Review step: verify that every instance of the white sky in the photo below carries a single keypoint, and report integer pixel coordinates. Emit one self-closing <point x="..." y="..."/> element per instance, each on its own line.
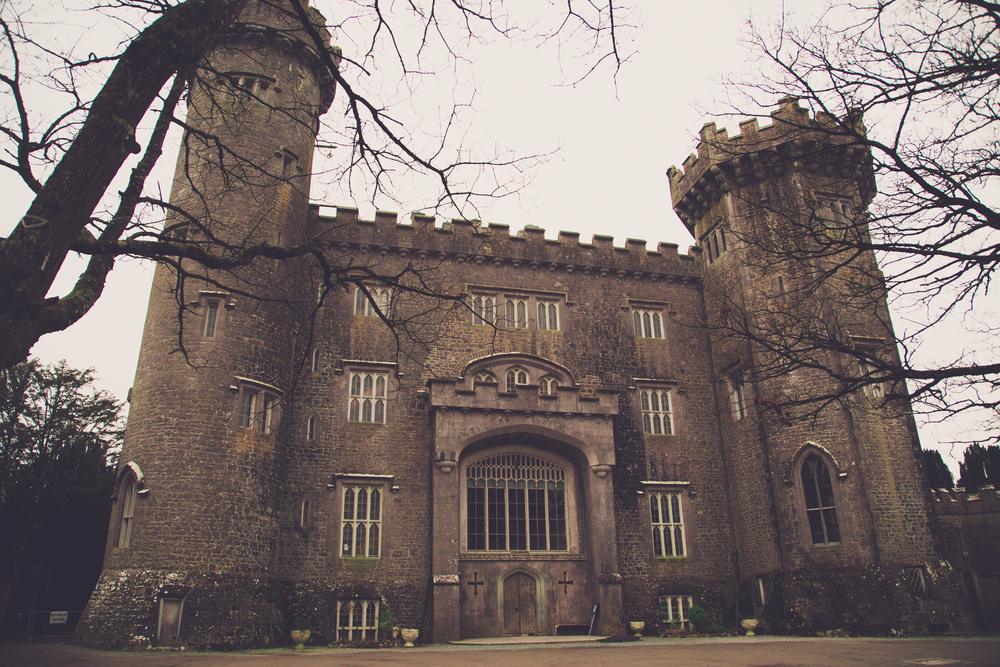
<point x="615" y="141"/>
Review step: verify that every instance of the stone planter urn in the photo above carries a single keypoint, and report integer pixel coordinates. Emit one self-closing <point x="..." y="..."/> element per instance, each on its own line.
<point x="749" y="624"/>
<point x="409" y="636"/>
<point x="637" y="627"/>
<point x="300" y="637"/>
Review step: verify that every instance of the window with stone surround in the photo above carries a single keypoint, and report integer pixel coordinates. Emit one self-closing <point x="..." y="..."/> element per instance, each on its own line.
<point x="380" y="301"/>
<point x="515" y="502"/>
<point x="515" y="312"/>
<point x="674" y="610"/>
<point x="361" y="526"/>
<point x="258" y="405"/>
<point x="484" y="378"/>
<point x="484" y="309"/>
<point x="715" y="243"/>
<point x="357" y="620"/>
<point x="515" y="377"/>
<point x="820" y="503"/>
<point x="548" y="315"/>
<point x="647" y="322"/>
<point x="211" y="317"/>
<point x="873" y="391"/>
<point x="834" y="208"/>
<point x="738" y="404"/>
<point x="548" y="386"/>
<point x="368" y="397"/>
<point x="211" y="306"/>
<point x="524" y="309"/>
<point x="305" y="513"/>
<point x="126" y="497"/>
<point x="667" y="521"/>
<point x="657" y="411"/>
<point x="249" y="85"/>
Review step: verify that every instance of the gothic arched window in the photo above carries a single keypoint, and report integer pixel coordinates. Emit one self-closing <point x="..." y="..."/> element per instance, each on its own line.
<point x="821" y="508"/>
<point x="515" y="377"/>
<point x="515" y="502"/>
<point x="548" y="386"/>
<point x="126" y="499"/>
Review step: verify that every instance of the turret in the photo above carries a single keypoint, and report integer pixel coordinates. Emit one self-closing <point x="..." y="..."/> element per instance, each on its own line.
<point x="194" y="527"/>
<point x="779" y="213"/>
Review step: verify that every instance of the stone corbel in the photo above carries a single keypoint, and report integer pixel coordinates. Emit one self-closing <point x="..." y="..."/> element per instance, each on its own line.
<point x="445" y="462"/>
<point x="601" y="470"/>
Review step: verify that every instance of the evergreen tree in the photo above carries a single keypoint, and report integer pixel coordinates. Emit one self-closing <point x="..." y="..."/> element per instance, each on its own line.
<point x="938" y="474"/>
<point x="58" y="436"/>
<point x="981" y="467"/>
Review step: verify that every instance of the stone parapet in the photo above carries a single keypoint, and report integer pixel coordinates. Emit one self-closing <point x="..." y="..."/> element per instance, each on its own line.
<point x="959" y="501"/>
<point x="470" y="241"/>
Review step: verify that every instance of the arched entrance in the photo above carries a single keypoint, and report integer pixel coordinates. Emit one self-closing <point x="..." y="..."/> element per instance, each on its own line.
<point x="523" y="507"/>
<point x="520" y="603"/>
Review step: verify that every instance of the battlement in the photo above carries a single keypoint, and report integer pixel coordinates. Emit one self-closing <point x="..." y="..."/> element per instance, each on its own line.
<point x="277" y="26"/>
<point x="959" y="501"/>
<point x="474" y="242"/>
<point x="722" y="163"/>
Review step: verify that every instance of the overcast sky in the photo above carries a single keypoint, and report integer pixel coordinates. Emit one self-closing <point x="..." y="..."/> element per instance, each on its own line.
<point x="614" y="138"/>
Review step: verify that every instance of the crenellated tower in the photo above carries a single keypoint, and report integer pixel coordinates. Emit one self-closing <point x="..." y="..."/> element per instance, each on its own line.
<point x="831" y="499"/>
<point x="194" y="530"/>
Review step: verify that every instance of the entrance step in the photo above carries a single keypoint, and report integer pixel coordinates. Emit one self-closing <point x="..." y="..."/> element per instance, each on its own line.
<point x="527" y="639"/>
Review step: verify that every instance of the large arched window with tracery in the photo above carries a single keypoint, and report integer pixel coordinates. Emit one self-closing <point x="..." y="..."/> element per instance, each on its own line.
<point x="821" y="507"/>
<point x="515" y="502"/>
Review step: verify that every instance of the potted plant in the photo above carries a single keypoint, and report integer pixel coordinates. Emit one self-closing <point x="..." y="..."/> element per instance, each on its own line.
<point x="749" y="624"/>
<point x="301" y="633"/>
<point x="410" y="635"/>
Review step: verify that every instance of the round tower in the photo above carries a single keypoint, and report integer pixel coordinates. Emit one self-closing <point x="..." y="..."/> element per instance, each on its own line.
<point x="193" y="532"/>
<point x="796" y="305"/>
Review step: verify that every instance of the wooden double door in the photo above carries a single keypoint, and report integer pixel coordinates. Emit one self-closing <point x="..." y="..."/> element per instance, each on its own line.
<point x="520" y="604"/>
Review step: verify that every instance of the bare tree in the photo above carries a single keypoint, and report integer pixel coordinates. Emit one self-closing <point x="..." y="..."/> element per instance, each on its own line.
<point x="924" y="76"/>
<point x="69" y="158"/>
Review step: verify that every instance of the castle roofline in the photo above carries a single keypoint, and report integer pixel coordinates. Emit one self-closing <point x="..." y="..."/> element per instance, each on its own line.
<point x="722" y="162"/>
<point x="471" y="241"/>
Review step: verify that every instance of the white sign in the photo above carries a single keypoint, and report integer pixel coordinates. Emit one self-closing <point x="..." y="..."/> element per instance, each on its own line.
<point x="57" y="617"/>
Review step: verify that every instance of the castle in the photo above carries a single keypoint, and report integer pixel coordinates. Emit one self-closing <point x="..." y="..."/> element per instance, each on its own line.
<point x="470" y="432"/>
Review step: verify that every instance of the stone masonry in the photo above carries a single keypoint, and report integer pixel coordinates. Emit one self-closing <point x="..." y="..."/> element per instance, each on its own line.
<point x="476" y="432"/>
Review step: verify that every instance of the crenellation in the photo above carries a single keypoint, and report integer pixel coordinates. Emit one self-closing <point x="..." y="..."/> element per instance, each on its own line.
<point x="464" y="240"/>
<point x="570" y="374"/>
<point x="958" y="501"/>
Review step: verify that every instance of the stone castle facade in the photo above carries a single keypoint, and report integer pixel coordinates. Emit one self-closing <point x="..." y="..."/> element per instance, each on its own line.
<point x="560" y="440"/>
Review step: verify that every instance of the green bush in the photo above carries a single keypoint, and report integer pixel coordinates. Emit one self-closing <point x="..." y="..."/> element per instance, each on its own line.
<point x="698" y="618"/>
